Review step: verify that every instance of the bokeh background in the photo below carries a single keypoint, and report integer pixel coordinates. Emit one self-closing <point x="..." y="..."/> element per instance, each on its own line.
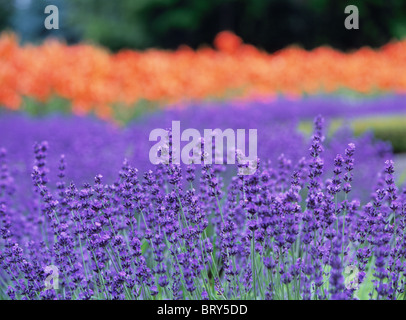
<point x="123" y="62"/>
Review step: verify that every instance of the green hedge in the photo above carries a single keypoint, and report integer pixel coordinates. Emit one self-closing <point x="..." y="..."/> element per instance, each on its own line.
<point x="387" y="128"/>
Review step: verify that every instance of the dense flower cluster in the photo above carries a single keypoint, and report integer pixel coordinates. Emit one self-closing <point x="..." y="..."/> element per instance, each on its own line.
<point x="289" y="231"/>
<point x="95" y="80"/>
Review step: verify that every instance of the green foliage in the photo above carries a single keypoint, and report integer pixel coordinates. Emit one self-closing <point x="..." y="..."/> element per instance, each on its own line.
<point x="6" y="11"/>
<point x="271" y="24"/>
<point x="391" y="129"/>
<point x="268" y="24"/>
<point x="54" y="105"/>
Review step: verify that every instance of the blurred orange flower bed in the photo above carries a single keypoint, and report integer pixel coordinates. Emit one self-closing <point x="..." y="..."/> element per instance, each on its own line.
<point x="94" y="79"/>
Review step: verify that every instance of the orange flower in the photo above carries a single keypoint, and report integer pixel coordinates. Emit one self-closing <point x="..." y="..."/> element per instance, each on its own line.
<point x="227" y="41"/>
<point x="95" y="80"/>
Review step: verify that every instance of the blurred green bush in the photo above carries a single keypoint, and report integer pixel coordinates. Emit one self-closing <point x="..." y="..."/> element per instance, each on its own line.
<point x="391" y="129"/>
<point x="268" y="24"/>
<point x="6" y="12"/>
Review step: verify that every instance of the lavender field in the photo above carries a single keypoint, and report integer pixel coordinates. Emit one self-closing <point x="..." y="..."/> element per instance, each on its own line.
<point x="85" y="215"/>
